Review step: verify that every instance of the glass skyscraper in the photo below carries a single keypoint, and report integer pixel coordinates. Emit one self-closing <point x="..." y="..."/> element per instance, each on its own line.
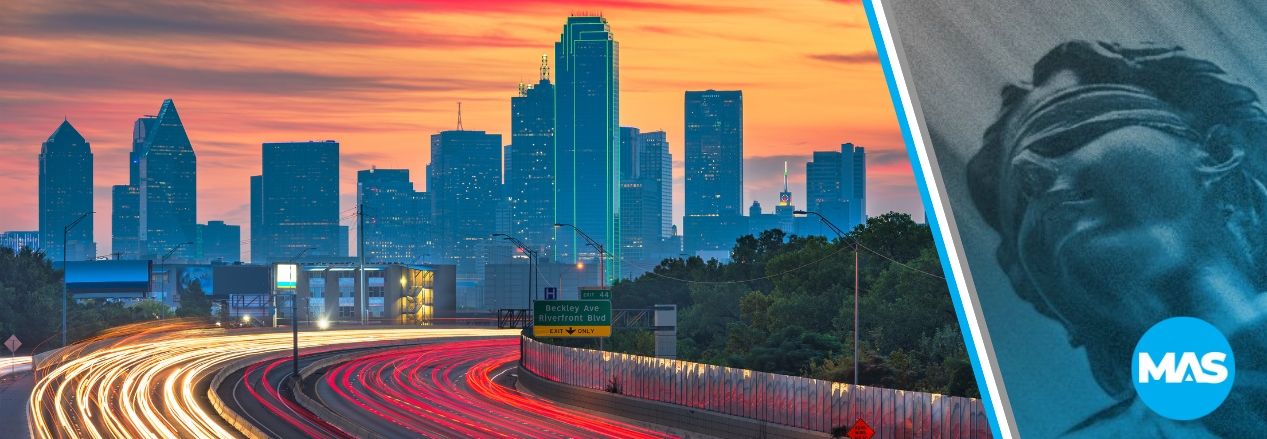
<point x="392" y="233"/>
<point x="714" y="169"/>
<point x="647" y="177"/>
<point x="65" y="194"/>
<point x="465" y="179"/>
<point x="587" y="139"/>
<point x="530" y="173"/>
<point x="125" y="212"/>
<point x="298" y="201"/>
<point x="218" y="241"/>
<point x="835" y="187"/>
<point x="168" y="188"/>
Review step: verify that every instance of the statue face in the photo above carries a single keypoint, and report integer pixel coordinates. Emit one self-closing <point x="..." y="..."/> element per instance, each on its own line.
<point x="1108" y="225"/>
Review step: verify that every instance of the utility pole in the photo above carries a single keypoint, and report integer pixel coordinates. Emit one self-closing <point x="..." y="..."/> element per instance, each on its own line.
<point x="65" y="294"/>
<point x="360" y="253"/>
<point x="841" y="235"/>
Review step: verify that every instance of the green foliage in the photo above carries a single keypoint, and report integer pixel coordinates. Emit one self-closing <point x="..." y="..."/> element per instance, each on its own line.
<point x="194" y="302"/>
<point x="785" y="304"/>
<point x="31" y="300"/>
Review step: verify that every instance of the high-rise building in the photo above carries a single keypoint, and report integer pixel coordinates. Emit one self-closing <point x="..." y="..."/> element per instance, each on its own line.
<point x="168" y="193"/>
<point x="125" y="212"/>
<point x="66" y="194"/>
<point x="298" y="201"/>
<point x="587" y="139"/>
<point x="218" y="241"/>
<point x="647" y="176"/>
<point x="18" y="240"/>
<point x="531" y="171"/>
<point x="125" y="221"/>
<point x="391" y="220"/>
<point x="835" y="187"/>
<point x="258" y="249"/>
<point x="464" y="182"/>
<point x="714" y="169"/>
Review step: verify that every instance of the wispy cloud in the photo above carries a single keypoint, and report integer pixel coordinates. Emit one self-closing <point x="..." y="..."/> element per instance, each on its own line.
<point x="847" y="58"/>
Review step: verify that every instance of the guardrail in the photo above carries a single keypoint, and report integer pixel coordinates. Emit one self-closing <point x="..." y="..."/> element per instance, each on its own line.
<point x="345" y="424"/>
<point x="780" y="399"/>
<point x="246" y="428"/>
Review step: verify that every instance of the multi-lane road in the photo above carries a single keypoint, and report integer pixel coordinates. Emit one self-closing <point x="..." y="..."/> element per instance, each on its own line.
<point x="155" y="386"/>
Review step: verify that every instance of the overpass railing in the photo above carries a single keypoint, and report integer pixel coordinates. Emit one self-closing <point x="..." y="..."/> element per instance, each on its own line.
<point x="780" y="399"/>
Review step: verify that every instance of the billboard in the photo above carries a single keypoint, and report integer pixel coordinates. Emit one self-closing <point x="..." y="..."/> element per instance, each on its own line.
<point x="287" y="276"/>
<point x="89" y="279"/>
<point x="203" y="275"/>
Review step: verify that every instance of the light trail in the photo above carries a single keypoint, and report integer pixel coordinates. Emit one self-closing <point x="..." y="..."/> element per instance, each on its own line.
<point x="445" y="390"/>
<point x="146" y="387"/>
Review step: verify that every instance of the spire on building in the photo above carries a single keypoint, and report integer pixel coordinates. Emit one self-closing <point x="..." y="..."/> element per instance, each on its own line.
<point x="545" y="67"/>
<point x="459" y="116"/>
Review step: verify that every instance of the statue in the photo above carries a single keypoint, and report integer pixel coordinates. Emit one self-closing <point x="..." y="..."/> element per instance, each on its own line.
<point x="1128" y="187"/>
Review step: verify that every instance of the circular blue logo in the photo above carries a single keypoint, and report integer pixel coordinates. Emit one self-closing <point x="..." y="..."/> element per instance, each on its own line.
<point x="1183" y="368"/>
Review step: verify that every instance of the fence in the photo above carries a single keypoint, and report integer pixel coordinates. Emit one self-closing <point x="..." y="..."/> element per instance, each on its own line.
<point x="780" y="399"/>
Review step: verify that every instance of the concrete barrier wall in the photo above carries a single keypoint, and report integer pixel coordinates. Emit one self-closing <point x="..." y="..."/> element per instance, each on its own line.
<point x="804" y="403"/>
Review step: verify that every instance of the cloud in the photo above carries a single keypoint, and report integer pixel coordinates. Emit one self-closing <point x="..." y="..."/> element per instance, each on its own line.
<point x="847" y="58"/>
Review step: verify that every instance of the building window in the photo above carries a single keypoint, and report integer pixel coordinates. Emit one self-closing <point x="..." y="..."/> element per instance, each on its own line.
<point x="347" y="302"/>
<point x="374" y="295"/>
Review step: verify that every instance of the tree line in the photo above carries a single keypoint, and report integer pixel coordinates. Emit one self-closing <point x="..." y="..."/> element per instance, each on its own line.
<point x="31" y="302"/>
<point x="785" y="304"/>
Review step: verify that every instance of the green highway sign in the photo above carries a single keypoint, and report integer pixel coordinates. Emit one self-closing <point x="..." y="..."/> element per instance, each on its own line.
<point x="571" y="318"/>
<point x="595" y="293"/>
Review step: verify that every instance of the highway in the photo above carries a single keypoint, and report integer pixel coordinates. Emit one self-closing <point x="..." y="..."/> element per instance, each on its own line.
<point x="454" y="389"/>
<point x="155" y="386"/>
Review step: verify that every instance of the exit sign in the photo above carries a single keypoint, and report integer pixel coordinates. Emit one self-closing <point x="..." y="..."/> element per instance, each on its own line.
<point x="594" y="293"/>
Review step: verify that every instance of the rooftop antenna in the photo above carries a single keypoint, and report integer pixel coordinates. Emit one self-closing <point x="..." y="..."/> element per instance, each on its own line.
<point x="460" y="121"/>
<point x="545" y="68"/>
<point x="784" y="176"/>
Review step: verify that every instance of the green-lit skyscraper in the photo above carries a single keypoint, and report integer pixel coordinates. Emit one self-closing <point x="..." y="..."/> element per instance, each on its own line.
<point x="530" y="168"/>
<point x="587" y="138"/>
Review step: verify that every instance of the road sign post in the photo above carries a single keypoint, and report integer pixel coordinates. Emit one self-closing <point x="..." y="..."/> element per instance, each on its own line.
<point x="13" y="344"/>
<point x="552" y="293"/>
<point x="572" y="318"/>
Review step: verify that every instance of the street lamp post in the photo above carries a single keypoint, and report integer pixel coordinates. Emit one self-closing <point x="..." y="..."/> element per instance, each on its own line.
<point x="294" y="315"/>
<point x="578" y="266"/>
<point x="532" y="263"/>
<point x="602" y="273"/>
<point x="167" y="275"/>
<point x="65" y="294"/>
<point x="855" y="286"/>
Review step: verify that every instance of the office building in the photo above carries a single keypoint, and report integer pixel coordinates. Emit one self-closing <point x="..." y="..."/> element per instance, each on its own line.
<point x="587" y="139"/>
<point x="646" y="196"/>
<point x="835" y="187"/>
<point x="714" y="169"/>
<point x="125" y="221"/>
<point x="66" y="194"/>
<point x="168" y="193"/>
<point x="530" y="174"/>
<point x="258" y="249"/>
<point x="218" y="241"/>
<point x="387" y="198"/>
<point x="464" y="180"/>
<point x="298" y="202"/>
<point x="18" y="240"/>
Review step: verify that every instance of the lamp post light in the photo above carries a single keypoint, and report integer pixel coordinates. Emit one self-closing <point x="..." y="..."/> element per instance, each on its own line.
<point x="167" y="275"/>
<point x="602" y="273"/>
<point x="532" y="263"/>
<point x="855" y="286"/>
<point x="65" y="294"/>
<point x="578" y="266"/>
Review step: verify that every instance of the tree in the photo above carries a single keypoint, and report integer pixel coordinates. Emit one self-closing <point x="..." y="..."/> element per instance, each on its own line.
<point x="194" y="302"/>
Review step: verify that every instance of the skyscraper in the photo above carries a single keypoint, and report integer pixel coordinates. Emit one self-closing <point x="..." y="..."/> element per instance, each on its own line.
<point x="531" y="173"/>
<point x="391" y="228"/>
<point x="258" y="249"/>
<point x="125" y="212"/>
<point x="218" y="241"/>
<point x="465" y="179"/>
<point x="835" y="187"/>
<point x="587" y="139"/>
<point x="298" y="201"/>
<point x="646" y="196"/>
<point x="168" y="188"/>
<point x="714" y="169"/>
<point x="65" y="194"/>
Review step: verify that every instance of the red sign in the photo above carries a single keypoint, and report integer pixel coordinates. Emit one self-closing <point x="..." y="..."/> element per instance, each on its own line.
<point x="860" y="430"/>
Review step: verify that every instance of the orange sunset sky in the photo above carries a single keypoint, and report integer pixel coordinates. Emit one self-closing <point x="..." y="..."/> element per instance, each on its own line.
<point x="381" y="76"/>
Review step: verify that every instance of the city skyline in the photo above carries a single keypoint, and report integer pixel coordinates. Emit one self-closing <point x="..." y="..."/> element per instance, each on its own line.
<point x="845" y="103"/>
